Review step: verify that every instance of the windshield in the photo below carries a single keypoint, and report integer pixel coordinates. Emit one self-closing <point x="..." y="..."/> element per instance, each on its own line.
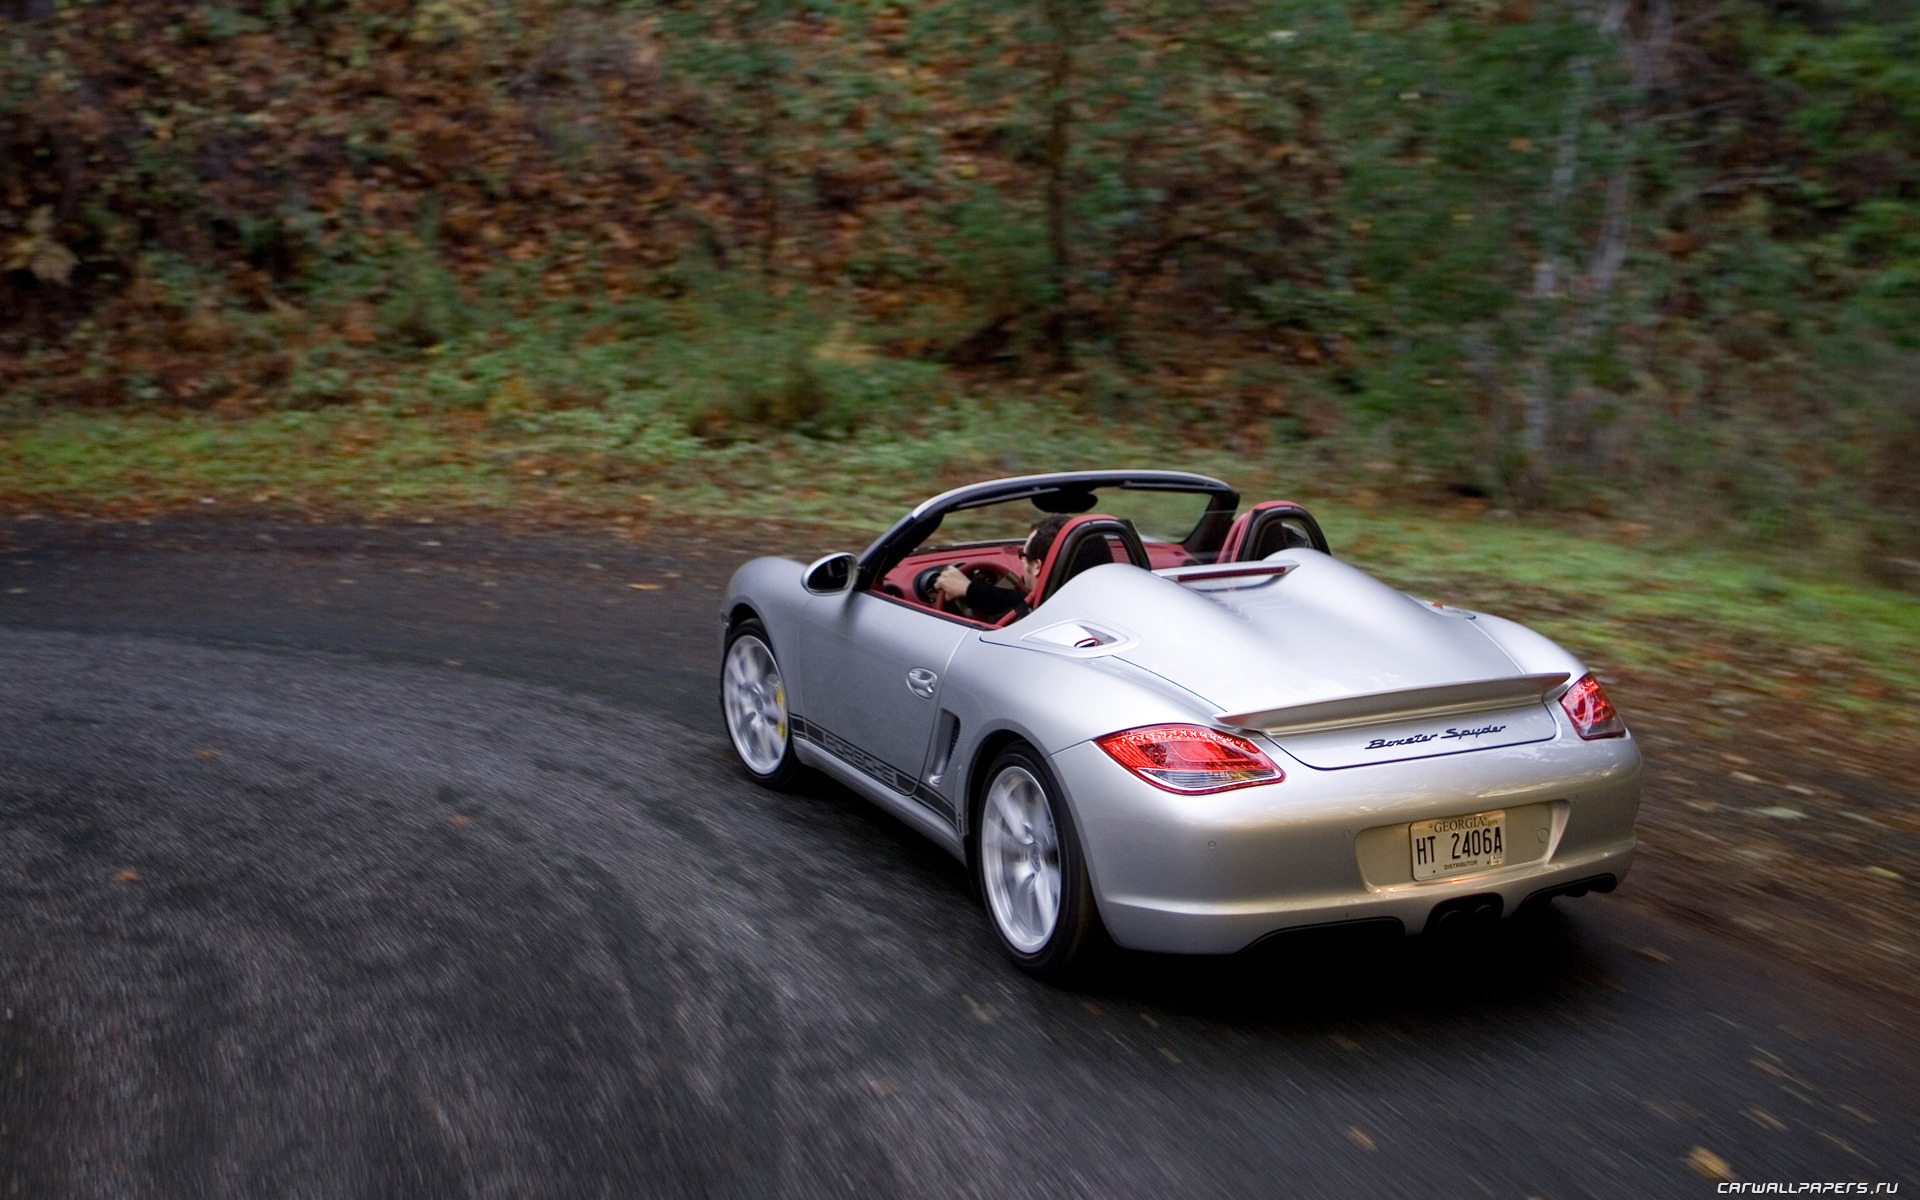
<point x="1167" y="517"/>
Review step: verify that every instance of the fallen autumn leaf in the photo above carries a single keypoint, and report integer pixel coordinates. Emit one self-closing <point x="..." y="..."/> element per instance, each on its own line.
<point x="1709" y="1165"/>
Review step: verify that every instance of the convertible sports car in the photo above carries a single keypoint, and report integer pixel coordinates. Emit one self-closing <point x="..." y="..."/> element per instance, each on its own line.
<point x="1186" y="729"/>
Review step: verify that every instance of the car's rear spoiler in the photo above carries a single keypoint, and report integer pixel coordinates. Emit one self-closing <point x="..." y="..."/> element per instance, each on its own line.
<point x="1445" y="699"/>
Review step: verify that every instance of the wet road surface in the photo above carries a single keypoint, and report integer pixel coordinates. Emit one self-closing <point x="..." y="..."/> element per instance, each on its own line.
<point x="412" y="861"/>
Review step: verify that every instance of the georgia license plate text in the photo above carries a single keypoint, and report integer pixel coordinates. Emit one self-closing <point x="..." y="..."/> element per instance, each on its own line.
<point x="1453" y="845"/>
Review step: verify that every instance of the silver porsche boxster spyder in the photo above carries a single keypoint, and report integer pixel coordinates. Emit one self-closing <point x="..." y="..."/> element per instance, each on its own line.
<point x="1142" y="716"/>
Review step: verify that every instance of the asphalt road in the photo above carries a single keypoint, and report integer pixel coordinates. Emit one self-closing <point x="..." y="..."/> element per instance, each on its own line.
<point x="412" y="862"/>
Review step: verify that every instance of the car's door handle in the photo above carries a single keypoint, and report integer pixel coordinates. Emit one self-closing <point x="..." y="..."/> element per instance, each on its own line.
<point x="920" y="682"/>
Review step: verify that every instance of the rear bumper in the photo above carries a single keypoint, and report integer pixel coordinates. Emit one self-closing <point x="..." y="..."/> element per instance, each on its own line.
<point x="1214" y="874"/>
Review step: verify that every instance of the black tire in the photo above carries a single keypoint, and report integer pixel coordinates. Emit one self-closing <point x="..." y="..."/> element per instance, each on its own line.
<point x="1077" y="938"/>
<point x="755" y="754"/>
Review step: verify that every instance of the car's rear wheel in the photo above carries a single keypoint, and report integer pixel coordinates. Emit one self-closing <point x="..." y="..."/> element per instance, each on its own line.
<point x="1030" y="869"/>
<point x="753" y="698"/>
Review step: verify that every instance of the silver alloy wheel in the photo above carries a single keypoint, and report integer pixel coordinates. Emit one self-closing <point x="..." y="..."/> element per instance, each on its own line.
<point x="1020" y="859"/>
<point x="756" y="705"/>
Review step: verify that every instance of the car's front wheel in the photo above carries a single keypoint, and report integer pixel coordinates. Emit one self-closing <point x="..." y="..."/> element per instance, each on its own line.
<point x="753" y="698"/>
<point x="1030" y="869"/>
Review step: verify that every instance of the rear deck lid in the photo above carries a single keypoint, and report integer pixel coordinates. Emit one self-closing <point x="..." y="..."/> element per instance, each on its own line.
<point x="1411" y="723"/>
<point x="1340" y="669"/>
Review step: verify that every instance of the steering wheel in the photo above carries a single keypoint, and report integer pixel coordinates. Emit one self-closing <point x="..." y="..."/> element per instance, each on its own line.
<point x="997" y="576"/>
<point x="923" y="585"/>
<point x="924" y="590"/>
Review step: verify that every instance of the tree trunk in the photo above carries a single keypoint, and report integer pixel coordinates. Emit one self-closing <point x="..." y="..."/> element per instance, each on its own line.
<point x="767" y="86"/>
<point x="1058" y="329"/>
<point x="1646" y="58"/>
<point x="1537" y="396"/>
<point x="1571" y="311"/>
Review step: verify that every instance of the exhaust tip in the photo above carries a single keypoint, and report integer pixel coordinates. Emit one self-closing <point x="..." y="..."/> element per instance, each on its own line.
<point x="1465" y="914"/>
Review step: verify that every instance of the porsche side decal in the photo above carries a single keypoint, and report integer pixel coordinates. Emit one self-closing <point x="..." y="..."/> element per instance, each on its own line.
<point x="873" y="768"/>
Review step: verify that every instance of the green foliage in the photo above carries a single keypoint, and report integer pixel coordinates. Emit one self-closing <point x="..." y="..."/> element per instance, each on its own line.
<point x="720" y="363"/>
<point x="1472" y="239"/>
<point x="425" y="308"/>
<point x="1856" y="104"/>
<point x="995" y="254"/>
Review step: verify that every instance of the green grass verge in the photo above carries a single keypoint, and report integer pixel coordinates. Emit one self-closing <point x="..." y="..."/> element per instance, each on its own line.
<point x="1619" y="594"/>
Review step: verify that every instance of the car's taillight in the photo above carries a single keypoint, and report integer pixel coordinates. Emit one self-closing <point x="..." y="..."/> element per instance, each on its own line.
<point x="1590" y="711"/>
<point x="1190" y="759"/>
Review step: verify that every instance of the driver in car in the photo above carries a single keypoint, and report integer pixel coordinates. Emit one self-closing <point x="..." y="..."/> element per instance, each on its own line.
<point x="988" y="600"/>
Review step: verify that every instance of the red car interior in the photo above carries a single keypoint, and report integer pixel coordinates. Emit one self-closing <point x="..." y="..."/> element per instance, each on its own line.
<point x="1254" y="534"/>
<point x="1004" y="559"/>
<point x="1260" y="531"/>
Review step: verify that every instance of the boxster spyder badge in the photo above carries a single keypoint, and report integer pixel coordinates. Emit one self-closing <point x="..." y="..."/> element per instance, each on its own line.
<point x="1140" y="714"/>
<point x="1418" y="738"/>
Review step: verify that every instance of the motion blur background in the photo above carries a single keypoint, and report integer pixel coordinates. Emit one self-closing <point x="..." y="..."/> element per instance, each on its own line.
<point x="1626" y="257"/>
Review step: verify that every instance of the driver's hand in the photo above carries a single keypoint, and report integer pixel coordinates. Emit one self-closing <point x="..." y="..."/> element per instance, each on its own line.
<point x="952" y="584"/>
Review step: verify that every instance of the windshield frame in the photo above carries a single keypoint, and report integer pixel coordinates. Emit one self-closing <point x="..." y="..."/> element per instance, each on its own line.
<point x="1066" y="491"/>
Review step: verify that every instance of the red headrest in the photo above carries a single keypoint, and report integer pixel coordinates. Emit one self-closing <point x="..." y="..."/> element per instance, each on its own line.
<point x="1061" y="540"/>
<point x="1237" y="532"/>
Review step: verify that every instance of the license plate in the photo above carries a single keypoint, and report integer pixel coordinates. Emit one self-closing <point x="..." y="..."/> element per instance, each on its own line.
<point x="1456" y="845"/>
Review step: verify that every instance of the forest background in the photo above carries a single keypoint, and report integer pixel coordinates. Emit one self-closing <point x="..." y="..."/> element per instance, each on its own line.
<point x="1641" y="259"/>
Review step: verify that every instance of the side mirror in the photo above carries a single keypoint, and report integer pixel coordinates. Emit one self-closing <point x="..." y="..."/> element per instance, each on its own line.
<point x="830" y="576"/>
